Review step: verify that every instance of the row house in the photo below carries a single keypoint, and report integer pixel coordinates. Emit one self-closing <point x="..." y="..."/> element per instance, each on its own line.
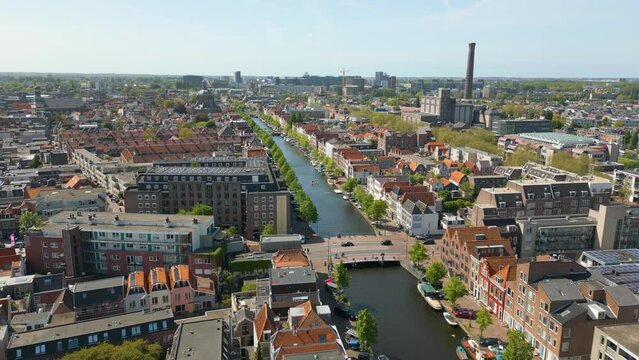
<point x="493" y="274"/>
<point x="345" y="156"/>
<point x="53" y="342"/>
<point x="436" y="149"/>
<point x="557" y="305"/>
<point x="362" y="171"/>
<point x="463" y="249"/>
<point x="378" y="186"/>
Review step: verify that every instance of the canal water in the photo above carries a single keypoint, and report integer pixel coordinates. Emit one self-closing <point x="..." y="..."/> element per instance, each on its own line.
<point x="408" y="329"/>
<point x="336" y="215"/>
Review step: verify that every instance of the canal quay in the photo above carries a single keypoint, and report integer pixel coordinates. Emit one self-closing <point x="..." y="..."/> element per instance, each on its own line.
<point x="407" y="327"/>
<point x="336" y="216"/>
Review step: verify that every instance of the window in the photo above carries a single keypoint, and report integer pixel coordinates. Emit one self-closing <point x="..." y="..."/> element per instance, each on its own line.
<point x="123" y="334"/>
<point x="59" y="346"/>
<point x="565" y="346"/>
<point x="40" y="349"/>
<point x="92" y="339"/>
<point x="565" y="334"/>
<point x="136" y="330"/>
<point x="153" y="258"/>
<point x="18" y="353"/>
<point x="154" y="300"/>
<point x="115" y="257"/>
<point x="153" y="327"/>
<point x="165" y="325"/>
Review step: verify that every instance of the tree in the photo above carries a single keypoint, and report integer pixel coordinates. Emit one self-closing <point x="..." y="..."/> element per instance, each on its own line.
<point x="201" y="117"/>
<point x="484" y="320"/>
<point x="350" y="184"/>
<point x="340" y="276"/>
<point x="149" y="134"/>
<point x="198" y="209"/>
<point x="308" y="210"/>
<point x="35" y="163"/>
<point x="454" y="289"/>
<point x="269" y="229"/>
<point x="230" y="231"/>
<point x="634" y="139"/>
<point x="137" y="350"/>
<point x="520" y="156"/>
<point x="258" y="352"/>
<point x="435" y="272"/>
<point x="517" y="348"/>
<point x="185" y="133"/>
<point x="376" y="209"/>
<point x="417" y="179"/>
<point x="366" y="327"/>
<point x="417" y="253"/>
<point x="28" y="220"/>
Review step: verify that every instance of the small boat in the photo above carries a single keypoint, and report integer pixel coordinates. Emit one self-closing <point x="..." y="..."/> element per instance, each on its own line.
<point x="461" y="353"/>
<point x="434" y="303"/>
<point x="382" y="357"/>
<point x="337" y="191"/>
<point x="352" y="333"/>
<point x="345" y="197"/>
<point x="450" y="319"/>
<point x="476" y="352"/>
<point x="312" y="182"/>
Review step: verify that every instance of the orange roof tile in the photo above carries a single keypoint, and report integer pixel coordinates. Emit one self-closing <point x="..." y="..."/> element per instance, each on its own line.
<point x="290" y="258"/>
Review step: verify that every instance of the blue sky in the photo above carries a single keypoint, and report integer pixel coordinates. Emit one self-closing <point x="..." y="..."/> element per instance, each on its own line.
<point x="520" y="38"/>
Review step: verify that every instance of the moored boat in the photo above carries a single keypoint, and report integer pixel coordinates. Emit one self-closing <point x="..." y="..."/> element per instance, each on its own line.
<point x="434" y="303"/>
<point x="476" y="352"/>
<point x="450" y="319"/>
<point x="345" y="197"/>
<point x="337" y="191"/>
<point x="461" y="353"/>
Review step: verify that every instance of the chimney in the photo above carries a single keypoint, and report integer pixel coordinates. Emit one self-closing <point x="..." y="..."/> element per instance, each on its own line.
<point x="470" y="65"/>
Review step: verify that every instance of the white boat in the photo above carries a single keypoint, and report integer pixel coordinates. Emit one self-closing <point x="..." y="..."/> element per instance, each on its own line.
<point x="345" y="197"/>
<point x="450" y="319"/>
<point x="434" y="303"/>
<point x="337" y="191"/>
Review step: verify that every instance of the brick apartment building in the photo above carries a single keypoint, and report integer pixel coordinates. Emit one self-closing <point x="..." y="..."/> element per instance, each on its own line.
<point x="463" y="248"/>
<point x="229" y="185"/>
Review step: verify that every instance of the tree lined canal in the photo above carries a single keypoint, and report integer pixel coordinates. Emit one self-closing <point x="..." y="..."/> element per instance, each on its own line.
<point x="336" y="215"/>
<point x="408" y="329"/>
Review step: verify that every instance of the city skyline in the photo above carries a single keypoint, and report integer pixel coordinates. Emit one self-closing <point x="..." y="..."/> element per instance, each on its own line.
<point x="543" y="40"/>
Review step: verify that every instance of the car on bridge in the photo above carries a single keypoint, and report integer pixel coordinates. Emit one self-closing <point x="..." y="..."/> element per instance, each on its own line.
<point x="347" y="244"/>
<point x="387" y="242"/>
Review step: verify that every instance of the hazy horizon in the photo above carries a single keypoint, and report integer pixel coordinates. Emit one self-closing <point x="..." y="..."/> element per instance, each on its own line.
<point x="427" y="39"/>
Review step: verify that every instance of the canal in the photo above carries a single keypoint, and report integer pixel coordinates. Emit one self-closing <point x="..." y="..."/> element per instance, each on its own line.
<point x="336" y="215"/>
<point x="407" y="327"/>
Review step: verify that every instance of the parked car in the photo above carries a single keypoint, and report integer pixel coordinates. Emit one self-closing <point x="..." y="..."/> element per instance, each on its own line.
<point x="387" y="242"/>
<point x="428" y="241"/>
<point x="376" y="223"/>
<point x="347" y="244"/>
<point x="489" y="341"/>
<point x="420" y="237"/>
<point x="464" y="314"/>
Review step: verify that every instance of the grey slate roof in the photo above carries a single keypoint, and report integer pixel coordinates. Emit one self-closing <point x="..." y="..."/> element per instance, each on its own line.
<point x="622" y="295"/>
<point x="63" y="103"/>
<point x="572" y="311"/>
<point x="561" y="290"/>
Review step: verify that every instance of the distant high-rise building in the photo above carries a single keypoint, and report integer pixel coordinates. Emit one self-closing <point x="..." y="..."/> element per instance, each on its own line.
<point x="238" y="77"/>
<point x="379" y="75"/>
<point x="470" y="65"/>
<point x="392" y="82"/>
<point x="192" y="81"/>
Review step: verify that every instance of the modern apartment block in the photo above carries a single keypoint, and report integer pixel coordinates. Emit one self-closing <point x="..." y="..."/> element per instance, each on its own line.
<point x="228" y="184"/>
<point x="556" y="234"/>
<point x="116" y="243"/>
<point x="615" y="342"/>
<point x="627" y="180"/>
